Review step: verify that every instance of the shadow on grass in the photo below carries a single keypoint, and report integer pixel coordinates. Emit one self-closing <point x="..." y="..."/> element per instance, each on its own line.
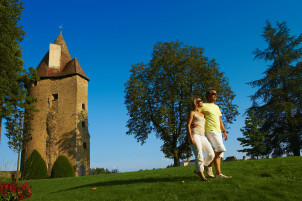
<point x="131" y="181"/>
<point x="265" y="174"/>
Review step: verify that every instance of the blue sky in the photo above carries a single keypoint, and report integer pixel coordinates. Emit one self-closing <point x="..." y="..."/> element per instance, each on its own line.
<point x="108" y="36"/>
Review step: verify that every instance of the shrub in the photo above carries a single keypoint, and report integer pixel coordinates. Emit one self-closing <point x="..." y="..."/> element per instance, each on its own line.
<point x="34" y="167"/>
<point x="114" y="170"/>
<point x="14" y="191"/>
<point x="62" y="168"/>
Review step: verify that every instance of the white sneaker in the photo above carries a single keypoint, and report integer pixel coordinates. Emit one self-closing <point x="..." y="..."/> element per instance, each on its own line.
<point x="209" y="171"/>
<point x="223" y="176"/>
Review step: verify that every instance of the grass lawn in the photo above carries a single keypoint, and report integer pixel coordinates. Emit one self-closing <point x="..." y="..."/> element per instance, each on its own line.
<point x="265" y="179"/>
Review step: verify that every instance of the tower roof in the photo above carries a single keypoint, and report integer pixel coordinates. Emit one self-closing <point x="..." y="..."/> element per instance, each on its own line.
<point x="68" y="66"/>
<point x="60" y="41"/>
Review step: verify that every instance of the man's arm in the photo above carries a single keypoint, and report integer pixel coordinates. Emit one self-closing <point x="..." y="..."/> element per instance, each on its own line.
<point x="225" y="135"/>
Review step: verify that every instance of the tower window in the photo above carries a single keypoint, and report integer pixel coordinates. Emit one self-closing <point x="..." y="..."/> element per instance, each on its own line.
<point x="55" y="96"/>
<point x="35" y="83"/>
<point x="83" y="106"/>
<point x="84" y="145"/>
<point x="83" y="124"/>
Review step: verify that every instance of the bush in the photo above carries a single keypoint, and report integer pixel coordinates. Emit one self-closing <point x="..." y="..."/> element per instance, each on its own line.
<point x="62" y="168"/>
<point x="114" y="170"/>
<point x="34" y="167"/>
<point x="14" y="191"/>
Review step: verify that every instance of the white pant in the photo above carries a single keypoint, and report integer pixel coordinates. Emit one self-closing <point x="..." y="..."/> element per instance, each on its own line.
<point x="215" y="138"/>
<point x="202" y="144"/>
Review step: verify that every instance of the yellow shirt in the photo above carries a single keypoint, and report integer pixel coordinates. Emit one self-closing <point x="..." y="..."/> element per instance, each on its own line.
<point x="212" y="114"/>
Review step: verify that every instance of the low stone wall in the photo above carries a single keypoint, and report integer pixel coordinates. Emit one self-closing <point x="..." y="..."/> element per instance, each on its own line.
<point x="7" y="174"/>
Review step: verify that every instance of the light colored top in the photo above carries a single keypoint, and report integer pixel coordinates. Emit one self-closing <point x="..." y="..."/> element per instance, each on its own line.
<point x="212" y="115"/>
<point x="200" y="122"/>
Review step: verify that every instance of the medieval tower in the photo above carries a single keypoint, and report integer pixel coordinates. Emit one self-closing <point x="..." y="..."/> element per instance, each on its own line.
<point x="60" y="127"/>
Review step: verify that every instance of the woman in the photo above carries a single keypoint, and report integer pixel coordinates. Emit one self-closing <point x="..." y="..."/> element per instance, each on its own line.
<point x="198" y="140"/>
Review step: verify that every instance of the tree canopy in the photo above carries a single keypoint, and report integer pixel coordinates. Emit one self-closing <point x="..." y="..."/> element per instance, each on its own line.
<point x="13" y="77"/>
<point x="278" y="98"/>
<point x="253" y="138"/>
<point x="15" y="103"/>
<point x="158" y="95"/>
<point x="10" y="53"/>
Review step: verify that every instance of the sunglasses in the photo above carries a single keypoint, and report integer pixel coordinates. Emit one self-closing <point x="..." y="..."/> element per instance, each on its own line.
<point x="215" y="94"/>
<point x="199" y="101"/>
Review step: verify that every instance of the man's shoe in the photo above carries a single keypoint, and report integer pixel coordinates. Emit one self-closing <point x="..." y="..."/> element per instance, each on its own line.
<point x="209" y="171"/>
<point x="223" y="176"/>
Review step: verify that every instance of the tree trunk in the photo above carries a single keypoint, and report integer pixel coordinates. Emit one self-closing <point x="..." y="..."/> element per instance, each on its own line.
<point x="18" y="165"/>
<point x="296" y="152"/>
<point x="295" y="145"/>
<point x="1" y="106"/>
<point x="294" y="138"/>
<point x="0" y="127"/>
<point x="176" y="158"/>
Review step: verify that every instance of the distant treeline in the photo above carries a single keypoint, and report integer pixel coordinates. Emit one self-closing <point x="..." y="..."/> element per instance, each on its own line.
<point x="96" y="171"/>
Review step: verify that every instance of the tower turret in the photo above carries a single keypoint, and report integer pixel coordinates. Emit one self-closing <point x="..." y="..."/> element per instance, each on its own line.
<point x="60" y="127"/>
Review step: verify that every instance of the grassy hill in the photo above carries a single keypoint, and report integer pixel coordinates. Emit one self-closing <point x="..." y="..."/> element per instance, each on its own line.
<point x="265" y="179"/>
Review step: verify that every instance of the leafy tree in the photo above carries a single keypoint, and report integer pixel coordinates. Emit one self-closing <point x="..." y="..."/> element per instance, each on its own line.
<point x="10" y="53"/>
<point x="278" y="98"/>
<point x="115" y="170"/>
<point x="100" y="170"/>
<point x="96" y="171"/>
<point x="92" y="171"/>
<point x="158" y="95"/>
<point x="17" y="128"/>
<point x="253" y="137"/>
<point x="15" y="104"/>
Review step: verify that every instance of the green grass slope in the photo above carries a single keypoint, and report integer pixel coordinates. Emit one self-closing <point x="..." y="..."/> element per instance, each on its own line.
<point x="265" y="179"/>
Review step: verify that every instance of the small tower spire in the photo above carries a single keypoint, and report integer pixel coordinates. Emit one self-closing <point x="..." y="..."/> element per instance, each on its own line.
<point x="60" y="27"/>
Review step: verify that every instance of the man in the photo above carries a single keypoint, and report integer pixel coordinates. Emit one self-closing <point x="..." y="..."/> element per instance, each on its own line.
<point x="213" y="128"/>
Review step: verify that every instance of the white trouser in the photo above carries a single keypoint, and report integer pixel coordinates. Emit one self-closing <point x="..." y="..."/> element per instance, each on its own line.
<point x="215" y="138"/>
<point x="202" y="144"/>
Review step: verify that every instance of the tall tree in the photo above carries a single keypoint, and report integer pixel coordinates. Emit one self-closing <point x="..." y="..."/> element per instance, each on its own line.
<point x="11" y="64"/>
<point x="158" y="95"/>
<point x="279" y="94"/>
<point x="17" y="131"/>
<point x="253" y="138"/>
<point x="15" y="103"/>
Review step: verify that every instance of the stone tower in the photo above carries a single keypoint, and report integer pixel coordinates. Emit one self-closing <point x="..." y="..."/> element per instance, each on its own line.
<point x="60" y="127"/>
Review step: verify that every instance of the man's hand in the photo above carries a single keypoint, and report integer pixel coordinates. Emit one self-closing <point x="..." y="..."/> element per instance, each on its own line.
<point x="225" y="135"/>
<point x="192" y="141"/>
<point x="193" y="125"/>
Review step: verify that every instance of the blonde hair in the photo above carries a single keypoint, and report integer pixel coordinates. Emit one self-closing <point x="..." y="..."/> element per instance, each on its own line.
<point x="194" y="103"/>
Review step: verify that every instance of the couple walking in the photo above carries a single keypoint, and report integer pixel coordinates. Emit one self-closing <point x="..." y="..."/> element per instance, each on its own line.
<point x="205" y="125"/>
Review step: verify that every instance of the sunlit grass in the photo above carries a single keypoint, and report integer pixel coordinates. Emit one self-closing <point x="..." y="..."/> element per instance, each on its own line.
<point x="265" y="179"/>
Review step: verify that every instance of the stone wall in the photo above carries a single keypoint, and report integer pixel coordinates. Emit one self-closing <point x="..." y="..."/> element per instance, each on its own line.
<point x="57" y="127"/>
<point x="8" y="174"/>
<point x="83" y="137"/>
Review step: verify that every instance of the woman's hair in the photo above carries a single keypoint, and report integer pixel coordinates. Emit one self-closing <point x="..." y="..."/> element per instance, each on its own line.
<point x="194" y="102"/>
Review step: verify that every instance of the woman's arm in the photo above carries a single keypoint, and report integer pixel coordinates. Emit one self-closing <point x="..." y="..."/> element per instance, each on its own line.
<point x="189" y="127"/>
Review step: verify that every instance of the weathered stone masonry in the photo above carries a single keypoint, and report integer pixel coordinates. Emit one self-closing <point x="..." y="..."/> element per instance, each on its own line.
<point x="61" y="125"/>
